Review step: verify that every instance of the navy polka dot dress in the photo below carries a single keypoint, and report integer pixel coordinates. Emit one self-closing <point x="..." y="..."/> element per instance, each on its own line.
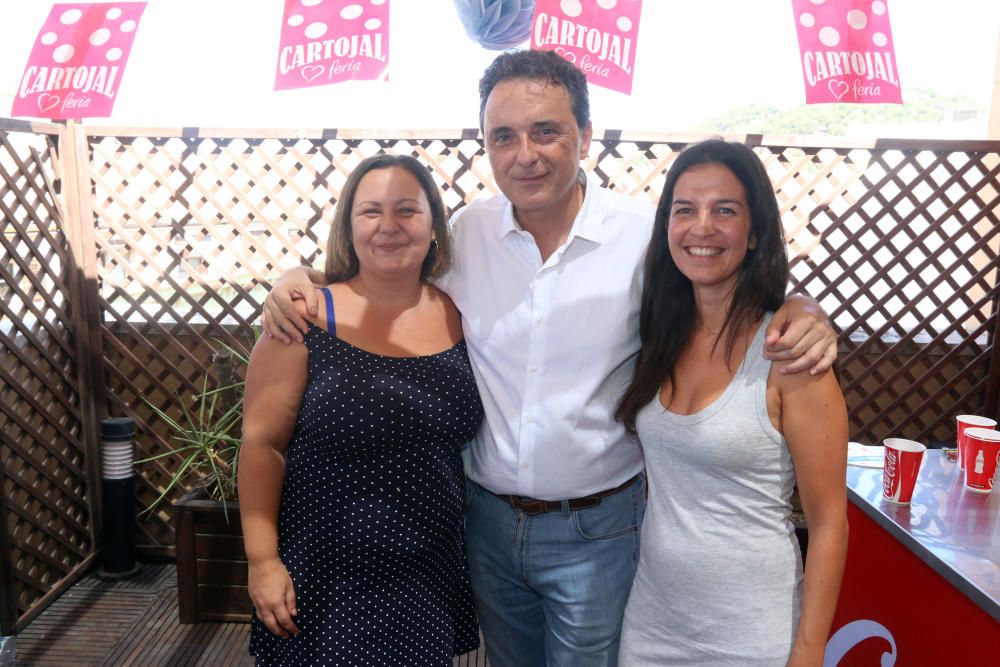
<point x="371" y="519"/>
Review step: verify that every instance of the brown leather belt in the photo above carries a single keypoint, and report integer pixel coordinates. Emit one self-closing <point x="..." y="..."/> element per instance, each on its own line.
<point x="532" y="506"/>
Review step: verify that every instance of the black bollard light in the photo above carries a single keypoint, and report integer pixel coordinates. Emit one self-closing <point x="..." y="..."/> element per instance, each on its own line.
<point x="118" y="487"/>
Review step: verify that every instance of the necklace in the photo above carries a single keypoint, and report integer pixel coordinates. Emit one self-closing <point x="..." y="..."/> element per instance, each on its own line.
<point x="710" y="332"/>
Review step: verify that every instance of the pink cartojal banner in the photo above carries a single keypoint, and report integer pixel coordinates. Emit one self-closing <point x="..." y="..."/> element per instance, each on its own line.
<point x="77" y="63"/>
<point x="326" y="41"/>
<point x="847" y="53"/>
<point x="598" y="36"/>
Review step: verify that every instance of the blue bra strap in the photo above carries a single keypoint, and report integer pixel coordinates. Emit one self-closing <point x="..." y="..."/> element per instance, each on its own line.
<point x="331" y="321"/>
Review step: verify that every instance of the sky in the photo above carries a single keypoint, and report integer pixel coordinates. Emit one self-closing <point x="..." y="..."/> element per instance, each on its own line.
<point x="211" y="63"/>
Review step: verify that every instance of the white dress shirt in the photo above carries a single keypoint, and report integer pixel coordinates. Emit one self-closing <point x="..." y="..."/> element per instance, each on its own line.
<point x="552" y="344"/>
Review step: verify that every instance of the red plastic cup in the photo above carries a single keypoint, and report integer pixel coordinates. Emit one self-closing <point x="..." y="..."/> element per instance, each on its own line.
<point x="983" y="449"/>
<point x="964" y="422"/>
<point x="900" y="468"/>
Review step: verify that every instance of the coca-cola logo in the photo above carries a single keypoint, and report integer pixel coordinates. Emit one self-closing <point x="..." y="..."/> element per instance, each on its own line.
<point x="889" y="476"/>
<point x="852" y="634"/>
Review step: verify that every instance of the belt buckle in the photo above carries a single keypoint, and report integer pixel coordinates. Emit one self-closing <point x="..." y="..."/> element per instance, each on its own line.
<point x="530" y="506"/>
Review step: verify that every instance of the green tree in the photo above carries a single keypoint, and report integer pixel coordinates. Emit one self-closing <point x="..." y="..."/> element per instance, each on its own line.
<point x="920" y="105"/>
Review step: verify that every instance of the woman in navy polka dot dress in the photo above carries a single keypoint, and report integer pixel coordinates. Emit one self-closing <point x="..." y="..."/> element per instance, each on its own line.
<point x="350" y="476"/>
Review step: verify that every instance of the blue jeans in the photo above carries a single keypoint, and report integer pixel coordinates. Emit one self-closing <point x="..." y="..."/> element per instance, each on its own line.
<point x="551" y="588"/>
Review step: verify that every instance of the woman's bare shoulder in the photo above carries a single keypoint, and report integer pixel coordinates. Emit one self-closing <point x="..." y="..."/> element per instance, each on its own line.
<point x="439" y="297"/>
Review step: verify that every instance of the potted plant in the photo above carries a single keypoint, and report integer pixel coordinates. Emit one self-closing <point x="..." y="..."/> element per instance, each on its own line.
<point x="211" y="563"/>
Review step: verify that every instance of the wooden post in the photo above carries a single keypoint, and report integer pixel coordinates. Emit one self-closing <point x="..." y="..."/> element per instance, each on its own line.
<point x="225" y="376"/>
<point x="992" y="402"/>
<point x="993" y="383"/>
<point x="78" y="218"/>
<point x="8" y="592"/>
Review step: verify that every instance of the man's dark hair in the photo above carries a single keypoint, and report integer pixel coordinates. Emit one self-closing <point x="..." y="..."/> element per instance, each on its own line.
<point x="546" y="66"/>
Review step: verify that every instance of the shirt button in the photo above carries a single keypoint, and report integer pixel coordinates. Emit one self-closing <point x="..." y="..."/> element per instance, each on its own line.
<point x="524" y="466"/>
<point x="532" y="369"/>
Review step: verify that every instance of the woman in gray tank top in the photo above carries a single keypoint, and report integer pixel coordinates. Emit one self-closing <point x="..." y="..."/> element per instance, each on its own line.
<point x="726" y="435"/>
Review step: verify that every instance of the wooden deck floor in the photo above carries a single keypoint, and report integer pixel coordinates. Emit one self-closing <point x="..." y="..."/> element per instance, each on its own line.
<point x="134" y="622"/>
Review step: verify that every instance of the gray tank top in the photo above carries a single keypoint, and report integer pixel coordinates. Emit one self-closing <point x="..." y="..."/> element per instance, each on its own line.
<point x="720" y="574"/>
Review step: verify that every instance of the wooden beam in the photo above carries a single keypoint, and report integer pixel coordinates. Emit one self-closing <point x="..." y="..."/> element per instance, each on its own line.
<point x="78" y="221"/>
<point x="992" y="402"/>
<point x="8" y="593"/>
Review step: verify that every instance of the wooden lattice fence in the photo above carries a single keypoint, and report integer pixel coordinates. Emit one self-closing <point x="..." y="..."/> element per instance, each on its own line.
<point x="897" y="239"/>
<point x="46" y="436"/>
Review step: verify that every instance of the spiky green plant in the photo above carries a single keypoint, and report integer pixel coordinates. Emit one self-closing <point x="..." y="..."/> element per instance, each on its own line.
<point x="208" y="441"/>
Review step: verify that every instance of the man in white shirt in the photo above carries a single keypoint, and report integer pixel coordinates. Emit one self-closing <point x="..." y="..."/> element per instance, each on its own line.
<point x="547" y="277"/>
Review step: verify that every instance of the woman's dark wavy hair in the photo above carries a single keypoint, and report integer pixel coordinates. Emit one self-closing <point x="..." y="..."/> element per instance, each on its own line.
<point x="342" y="260"/>
<point x="667" y="315"/>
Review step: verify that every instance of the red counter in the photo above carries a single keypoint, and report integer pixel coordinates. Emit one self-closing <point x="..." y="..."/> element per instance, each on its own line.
<point x="922" y="583"/>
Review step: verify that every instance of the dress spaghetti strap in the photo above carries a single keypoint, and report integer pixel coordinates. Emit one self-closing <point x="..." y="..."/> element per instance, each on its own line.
<point x="331" y="321"/>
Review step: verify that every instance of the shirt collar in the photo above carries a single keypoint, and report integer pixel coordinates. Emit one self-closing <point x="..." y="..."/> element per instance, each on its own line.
<point x="508" y="224"/>
<point x="589" y="222"/>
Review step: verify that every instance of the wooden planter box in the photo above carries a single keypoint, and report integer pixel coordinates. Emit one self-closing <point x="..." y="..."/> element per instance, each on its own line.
<point x="211" y="563"/>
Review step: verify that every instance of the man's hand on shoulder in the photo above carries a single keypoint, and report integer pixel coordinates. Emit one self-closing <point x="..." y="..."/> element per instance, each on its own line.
<point x="800" y="333"/>
<point x="280" y="318"/>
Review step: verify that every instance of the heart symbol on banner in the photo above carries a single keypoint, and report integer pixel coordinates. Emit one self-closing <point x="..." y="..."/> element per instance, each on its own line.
<point x="837" y="88"/>
<point x="310" y="72"/>
<point x="47" y="101"/>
